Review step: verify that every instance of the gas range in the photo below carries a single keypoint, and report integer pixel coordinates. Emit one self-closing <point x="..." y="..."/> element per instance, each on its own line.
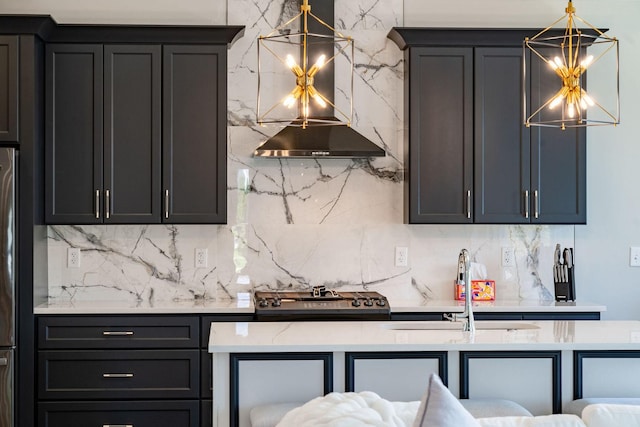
<point x="321" y="304"/>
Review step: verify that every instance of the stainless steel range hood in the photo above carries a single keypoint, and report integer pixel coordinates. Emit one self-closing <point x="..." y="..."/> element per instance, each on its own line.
<point x="335" y="141"/>
<point x="320" y="140"/>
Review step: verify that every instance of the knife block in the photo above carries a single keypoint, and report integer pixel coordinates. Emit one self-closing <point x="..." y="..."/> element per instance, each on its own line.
<point x="566" y="291"/>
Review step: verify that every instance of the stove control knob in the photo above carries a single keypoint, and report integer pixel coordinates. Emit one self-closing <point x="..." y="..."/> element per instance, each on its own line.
<point x="263" y="302"/>
<point x="356" y="303"/>
<point x="276" y="302"/>
<point x="368" y="302"/>
<point x="381" y="302"/>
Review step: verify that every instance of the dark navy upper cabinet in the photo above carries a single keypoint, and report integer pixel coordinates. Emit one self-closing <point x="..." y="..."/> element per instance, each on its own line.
<point x="502" y="172"/>
<point x="103" y="134"/>
<point x="469" y="157"/>
<point x="8" y="88"/>
<point x="73" y="134"/>
<point x="440" y="146"/>
<point x="136" y="124"/>
<point x="194" y="132"/>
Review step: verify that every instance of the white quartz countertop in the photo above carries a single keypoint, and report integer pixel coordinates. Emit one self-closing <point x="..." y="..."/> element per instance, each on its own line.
<point x="239" y="306"/>
<point x="159" y="307"/>
<point x="239" y="337"/>
<point x="426" y="306"/>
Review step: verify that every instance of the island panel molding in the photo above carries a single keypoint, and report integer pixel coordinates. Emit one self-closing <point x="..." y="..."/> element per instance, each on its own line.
<point x="236" y="359"/>
<point x="610" y="356"/>
<point x="351" y="358"/>
<point x="556" y="368"/>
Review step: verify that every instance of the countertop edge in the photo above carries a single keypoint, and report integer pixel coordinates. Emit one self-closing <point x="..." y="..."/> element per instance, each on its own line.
<point x="246" y="307"/>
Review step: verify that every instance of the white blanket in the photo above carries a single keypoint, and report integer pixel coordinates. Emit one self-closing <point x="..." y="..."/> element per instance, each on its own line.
<point x="364" y="409"/>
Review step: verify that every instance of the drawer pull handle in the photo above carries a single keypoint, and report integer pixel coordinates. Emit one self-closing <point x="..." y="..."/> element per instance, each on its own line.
<point x="117" y="375"/>
<point x="117" y="425"/>
<point x="117" y="333"/>
<point x="4" y="361"/>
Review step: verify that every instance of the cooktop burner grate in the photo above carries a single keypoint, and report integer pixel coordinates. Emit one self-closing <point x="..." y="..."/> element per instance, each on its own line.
<point x="321" y="304"/>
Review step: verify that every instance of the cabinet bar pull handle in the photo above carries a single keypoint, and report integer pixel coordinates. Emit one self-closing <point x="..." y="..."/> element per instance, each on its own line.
<point x="97" y="204"/>
<point x="117" y="425"/>
<point x="117" y="375"/>
<point x="107" y="203"/>
<point x="117" y="333"/>
<point x="166" y="203"/>
<point x="526" y="204"/>
<point x="468" y="203"/>
<point x="4" y="361"/>
<point x="536" y="204"/>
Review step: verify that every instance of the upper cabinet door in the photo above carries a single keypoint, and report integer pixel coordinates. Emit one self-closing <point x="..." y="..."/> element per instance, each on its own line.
<point x="558" y="160"/>
<point x="502" y="160"/>
<point x="132" y="116"/>
<point x="194" y="134"/>
<point x="9" y="88"/>
<point x="73" y="134"/>
<point x="440" y="162"/>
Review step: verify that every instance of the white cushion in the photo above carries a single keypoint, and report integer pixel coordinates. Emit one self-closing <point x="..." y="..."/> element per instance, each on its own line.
<point x="270" y="415"/>
<point x="558" y="420"/>
<point x="363" y="409"/>
<point x="611" y="415"/>
<point x="439" y="408"/>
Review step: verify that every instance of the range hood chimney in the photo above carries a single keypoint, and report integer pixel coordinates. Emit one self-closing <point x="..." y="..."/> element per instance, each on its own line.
<point x="332" y="141"/>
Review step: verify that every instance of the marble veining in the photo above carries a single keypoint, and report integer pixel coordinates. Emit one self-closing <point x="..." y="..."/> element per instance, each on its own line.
<point x="297" y="223"/>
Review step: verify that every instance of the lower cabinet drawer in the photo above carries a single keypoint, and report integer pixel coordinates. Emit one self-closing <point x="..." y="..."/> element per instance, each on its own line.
<point x="119" y="414"/>
<point x="115" y="374"/>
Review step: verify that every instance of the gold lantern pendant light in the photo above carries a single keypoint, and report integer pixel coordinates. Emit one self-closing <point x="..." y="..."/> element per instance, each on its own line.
<point x="285" y="45"/>
<point x="566" y="55"/>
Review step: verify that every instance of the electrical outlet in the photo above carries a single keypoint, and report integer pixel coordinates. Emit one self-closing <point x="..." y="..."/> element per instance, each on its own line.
<point x="201" y="258"/>
<point x="73" y="257"/>
<point x="508" y="257"/>
<point x="402" y="256"/>
<point x="634" y="256"/>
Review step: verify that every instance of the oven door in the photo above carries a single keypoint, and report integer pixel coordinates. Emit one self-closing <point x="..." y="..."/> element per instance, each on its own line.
<point x="6" y="388"/>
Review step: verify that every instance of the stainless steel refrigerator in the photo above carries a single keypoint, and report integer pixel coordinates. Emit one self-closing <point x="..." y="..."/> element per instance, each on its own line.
<point x="7" y="287"/>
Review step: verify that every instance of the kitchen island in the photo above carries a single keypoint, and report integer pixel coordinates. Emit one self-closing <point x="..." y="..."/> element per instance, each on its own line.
<point x="541" y="365"/>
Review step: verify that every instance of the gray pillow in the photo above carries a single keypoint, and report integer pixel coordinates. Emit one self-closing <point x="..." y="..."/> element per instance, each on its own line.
<point x="440" y="408"/>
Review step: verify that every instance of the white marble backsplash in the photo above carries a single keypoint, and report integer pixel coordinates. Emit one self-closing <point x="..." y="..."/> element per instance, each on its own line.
<point x="294" y="224"/>
<point x="157" y="263"/>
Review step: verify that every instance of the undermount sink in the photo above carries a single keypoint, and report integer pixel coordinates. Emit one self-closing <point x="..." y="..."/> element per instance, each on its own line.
<point x="444" y="325"/>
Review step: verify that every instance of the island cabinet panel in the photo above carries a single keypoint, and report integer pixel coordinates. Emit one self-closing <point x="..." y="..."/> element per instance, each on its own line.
<point x="530" y="378"/>
<point x="405" y="373"/>
<point x="9" y="64"/>
<point x="194" y="134"/>
<point x="261" y="378"/>
<point x="469" y="156"/>
<point x="606" y="374"/>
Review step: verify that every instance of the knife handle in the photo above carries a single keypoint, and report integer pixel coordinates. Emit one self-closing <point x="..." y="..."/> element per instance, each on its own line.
<point x="468" y="203"/>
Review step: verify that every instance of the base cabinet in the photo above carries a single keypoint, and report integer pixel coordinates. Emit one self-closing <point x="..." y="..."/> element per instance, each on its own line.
<point x="119" y="371"/>
<point x="169" y="413"/>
